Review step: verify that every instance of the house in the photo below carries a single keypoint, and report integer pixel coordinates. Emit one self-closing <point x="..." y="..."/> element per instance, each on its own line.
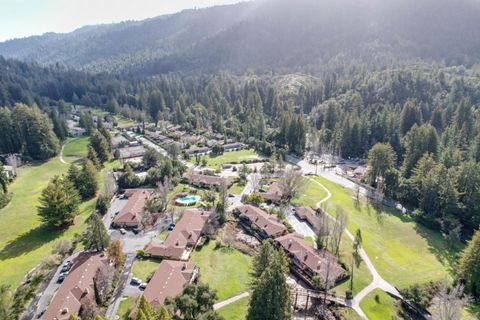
<point x="274" y="193"/>
<point x="233" y="146"/>
<point x="308" y="262"/>
<point x="205" y="181"/>
<point x="308" y="215"/>
<point x="119" y="142"/>
<point x="169" y="280"/>
<point x="77" y="132"/>
<point x="9" y="171"/>
<point x="184" y="237"/>
<point x="261" y="223"/>
<point x="360" y="172"/>
<point x="198" y="151"/>
<point x="130" y="215"/>
<point x="131" y="154"/>
<point x="77" y="288"/>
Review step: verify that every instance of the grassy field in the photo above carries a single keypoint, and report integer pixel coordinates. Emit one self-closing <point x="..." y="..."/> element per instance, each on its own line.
<point x="75" y="149"/>
<point x="224" y="269"/>
<point x="229" y="157"/>
<point x="125" y="308"/>
<point x="24" y="242"/>
<point x="235" y="311"/>
<point x="309" y="195"/>
<point x="236" y="188"/>
<point x="142" y="269"/>
<point x="379" y="306"/>
<point x="403" y="251"/>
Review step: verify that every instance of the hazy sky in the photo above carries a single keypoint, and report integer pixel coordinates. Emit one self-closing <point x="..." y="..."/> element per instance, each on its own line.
<point x="20" y="18"/>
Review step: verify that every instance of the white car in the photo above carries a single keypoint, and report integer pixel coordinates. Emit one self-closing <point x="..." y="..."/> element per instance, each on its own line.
<point x="123" y="231"/>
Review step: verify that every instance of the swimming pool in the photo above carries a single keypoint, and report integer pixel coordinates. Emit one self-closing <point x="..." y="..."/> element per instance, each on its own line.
<point x="188" y="200"/>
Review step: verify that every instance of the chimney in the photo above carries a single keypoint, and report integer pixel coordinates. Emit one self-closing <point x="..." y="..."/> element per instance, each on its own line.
<point x="289" y="243"/>
<point x="305" y="257"/>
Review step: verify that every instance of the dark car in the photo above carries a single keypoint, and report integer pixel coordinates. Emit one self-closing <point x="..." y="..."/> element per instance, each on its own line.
<point x="135" y="282"/>
<point x="61" y="277"/>
<point x="171" y="226"/>
<point x="40" y="314"/>
<point x="135" y="231"/>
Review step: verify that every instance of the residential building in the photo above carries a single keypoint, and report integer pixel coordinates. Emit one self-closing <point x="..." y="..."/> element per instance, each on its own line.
<point x="184" y="237"/>
<point x="308" y="262"/>
<point x="200" y="151"/>
<point x="205" y="181"/>
<point x="77" y="288"/>
<point x="274" y="193"/>
<point x="261" y="223"/>
<point x="119" y="142"/>
<point x="233" y="146"/>
<point x="308" y="215"/>
<point x="131" y="154"/>
<point x="169" y="280"/>
<point x="130" y="215"/>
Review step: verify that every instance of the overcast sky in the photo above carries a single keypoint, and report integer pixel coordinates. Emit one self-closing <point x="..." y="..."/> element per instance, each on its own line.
<point x="20" y="18"/>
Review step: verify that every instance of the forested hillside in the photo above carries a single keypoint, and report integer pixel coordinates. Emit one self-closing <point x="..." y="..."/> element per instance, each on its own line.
<point x="269" y="35"/>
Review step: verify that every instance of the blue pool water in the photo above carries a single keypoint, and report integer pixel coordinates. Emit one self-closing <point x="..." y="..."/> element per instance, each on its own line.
<point x="188" y="200"/>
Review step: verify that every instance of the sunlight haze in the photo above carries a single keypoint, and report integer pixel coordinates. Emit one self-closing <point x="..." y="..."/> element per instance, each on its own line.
<point x="23" y="18"/>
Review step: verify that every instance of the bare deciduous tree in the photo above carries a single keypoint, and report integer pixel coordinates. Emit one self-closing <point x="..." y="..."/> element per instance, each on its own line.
<point x="291" y="182"/>
<point x="448" y="303"/>
<point x="255" y="179"/>
<point x="323" y="232"/>
<point x="339" y="226"/>
<point x="104" y="281"/>
<point x="110" y="185"/>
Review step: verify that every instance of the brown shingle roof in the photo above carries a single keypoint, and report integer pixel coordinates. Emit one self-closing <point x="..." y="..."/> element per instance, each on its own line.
<point x="206" y="180"/>
<point x="309" y="215"/>
<point x="76" y="288"/>
<point x="315" y="260"/>
<point x="185" y="234"/>
<point x="169" y="280"/>
<point x="131" y="152"/>
<point x="271" y="224"/>
<point x="131" y="212"/>
<point x="274" y="193"/>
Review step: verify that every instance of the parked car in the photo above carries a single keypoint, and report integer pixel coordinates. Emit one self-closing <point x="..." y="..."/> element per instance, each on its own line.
<point x="142" y="286"/>
<point x="40" y="314"/>
<point x="171" y="226"/>
<point x="123" y="231"/>
<point x="116" y="212"/>
<point x="135" y="231"/>
<point x="135" y="281"/>
<point x="61" y="277"/>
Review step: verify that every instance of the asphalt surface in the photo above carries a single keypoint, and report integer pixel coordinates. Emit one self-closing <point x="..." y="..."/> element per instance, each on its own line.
<point x="124" y="280"/>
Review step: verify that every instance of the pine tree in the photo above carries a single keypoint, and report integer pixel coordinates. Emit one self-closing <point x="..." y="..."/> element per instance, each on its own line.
<point x="272" y="287"/>
<point x="262" y="259"/>
<point x="381" y="158"/>
<point x="92" y="156"/>
<point x="87" y="182"/>
<point x="96" y="236"/>
<point x="469" y="270"/>
<point x="3" y="179"/>
<point x="100" y="145"/>
<point x="59" y="202"/>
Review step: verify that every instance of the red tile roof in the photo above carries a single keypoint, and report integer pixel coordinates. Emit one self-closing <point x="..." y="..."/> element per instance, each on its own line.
<point x="205" y="179"/>
<point x="309" y="215"/>
<point x="169" y="280"/>
<point x="274" y="193"/>
<point x="185" y="234"/>
<point x="76" y="288"/>
<point x="271" y="224"/>
<point x="131" y="212"/>
<point x="316" y="260"/>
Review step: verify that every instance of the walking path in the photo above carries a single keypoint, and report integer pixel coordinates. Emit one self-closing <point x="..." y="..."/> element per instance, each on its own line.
<point x="377" y="283"/>
<point x="61" y="154"/>
<point x="231" y="300"/>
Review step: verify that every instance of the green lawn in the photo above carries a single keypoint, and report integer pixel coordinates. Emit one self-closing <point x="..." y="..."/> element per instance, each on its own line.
<point x="75" y="149"/>
<point x="125" y="308"/>
<point x="235" y="311"/>
<point x="383" y="308"/>
<point x="309" y="195"/>
<point x="236" y="188"/>
<point x="403" y="251"/>
<point x="224" y="269"/>
<point x="142" y="269"/>
<point x="24" y="242"/>
<point x="229" y="157"/>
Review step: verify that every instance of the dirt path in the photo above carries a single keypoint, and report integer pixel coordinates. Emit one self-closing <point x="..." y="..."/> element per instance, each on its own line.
<point x="377" y="283"/>
<point x="61" y="154"/>
<point x="231" y="300"/>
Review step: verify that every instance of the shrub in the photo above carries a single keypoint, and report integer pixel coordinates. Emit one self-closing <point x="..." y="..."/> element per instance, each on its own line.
<point x="102" y="204"/>
<point x="349" y="294"/>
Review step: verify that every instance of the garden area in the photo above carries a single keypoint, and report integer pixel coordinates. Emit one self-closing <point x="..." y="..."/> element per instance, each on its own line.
<point x="143" y="269"/>
<point x="225" y="269"/>
<point x="216" y="162"/>
<point x="403" y="251"/>
<point x="378" y="305"/>
<point x="26" y="242"/>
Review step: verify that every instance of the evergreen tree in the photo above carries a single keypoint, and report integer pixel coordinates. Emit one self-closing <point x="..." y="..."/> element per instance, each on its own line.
<point x="3" y="179"/>
<point x="96" y="236"/>
<point x="262" y="259"/>
<point x="468" y="270"/>
<point x="381" y="158"/>
<point x="100" y="145"/>
<point x="87" y="183"/>
<point x="59" y="202"/>
<point x="272" y="287"/>
<point x="92" y="156"/>
<point x="411" y="115"/>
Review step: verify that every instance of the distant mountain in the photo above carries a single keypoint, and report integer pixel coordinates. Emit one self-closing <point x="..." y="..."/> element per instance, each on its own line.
<point x="267" y="34"/>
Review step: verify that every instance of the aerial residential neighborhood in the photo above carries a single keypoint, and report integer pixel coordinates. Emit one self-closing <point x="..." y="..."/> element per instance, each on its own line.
<point x="240" y="160"/>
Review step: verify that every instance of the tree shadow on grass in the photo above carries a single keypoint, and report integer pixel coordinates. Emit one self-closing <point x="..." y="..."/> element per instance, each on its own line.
<point x="29" y="241"/>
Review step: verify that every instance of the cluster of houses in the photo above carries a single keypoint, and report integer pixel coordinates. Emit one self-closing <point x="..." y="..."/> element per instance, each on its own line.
<point x="131" y="214"/>
<point x="126" y="150"/>
<point x="307" y="262"/>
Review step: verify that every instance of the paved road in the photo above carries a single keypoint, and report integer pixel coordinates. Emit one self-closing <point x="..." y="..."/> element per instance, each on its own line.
<point x="237" y="200"/>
